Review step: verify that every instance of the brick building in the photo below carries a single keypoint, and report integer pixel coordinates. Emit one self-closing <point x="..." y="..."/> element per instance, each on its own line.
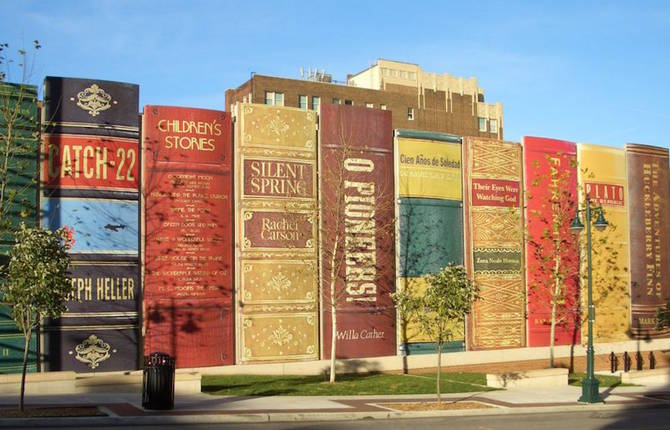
<point x="417" y="99"/>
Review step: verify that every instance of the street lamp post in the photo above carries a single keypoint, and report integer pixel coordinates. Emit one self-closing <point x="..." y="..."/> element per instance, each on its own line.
<point x="590" y="384"/>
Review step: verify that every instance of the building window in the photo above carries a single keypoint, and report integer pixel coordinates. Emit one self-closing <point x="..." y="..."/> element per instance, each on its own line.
<point x="385" y="71"/>
<point x="394" y="73"/>
<point x="348" y="102"/>
<point x="405" y="74"/>
<point x="369" y="105"/>
<point x="382" y="107"/>
<point x="493" y="125"/>
<point x="274" y="99"/>
<point x="482" y="124"/>
<point x="410" y="114"/>
<point x="412" y="76"/>
<point x="337" y="101"/>
<point x="316" y="103"/>
<point x="302" y="102"/>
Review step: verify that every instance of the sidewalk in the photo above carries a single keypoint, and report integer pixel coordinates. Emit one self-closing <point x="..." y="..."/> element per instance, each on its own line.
<point x="125" y="407"/>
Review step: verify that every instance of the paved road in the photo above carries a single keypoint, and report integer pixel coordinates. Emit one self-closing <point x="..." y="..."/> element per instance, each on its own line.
<point x="655" y="418"/>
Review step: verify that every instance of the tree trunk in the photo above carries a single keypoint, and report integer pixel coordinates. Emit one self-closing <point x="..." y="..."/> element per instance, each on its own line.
<point x="25" y="366"/>
<point x="334" y="272"/>
<point x="333" y="340"/>
<point x="554" y="306"/>
<point x="439" y="370"/>
<point x="5" y="166"/>
<point x="551" y="334"/>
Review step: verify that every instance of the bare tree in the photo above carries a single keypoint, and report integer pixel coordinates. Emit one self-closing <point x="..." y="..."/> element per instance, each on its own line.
<point x="19" y="134"/>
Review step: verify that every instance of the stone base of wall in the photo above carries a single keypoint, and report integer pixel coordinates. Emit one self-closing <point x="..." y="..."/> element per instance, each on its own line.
<point x="69" y="382"/>
<point x="491" y="361"/>
<point x="529" y="379"/>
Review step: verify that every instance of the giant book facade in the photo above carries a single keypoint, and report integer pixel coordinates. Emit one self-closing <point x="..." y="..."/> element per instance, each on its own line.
<point x="356" y="226"/>
<point x="550" y="178"/>
<point x="90" y="182"/>
<point x="649" y="191"/>
<point x="603" y="178"/>
<point x="430" y="220"/>
<point x="276" y="234"/>
<point x="188" y="235"/>
<point x="494" y="242"/>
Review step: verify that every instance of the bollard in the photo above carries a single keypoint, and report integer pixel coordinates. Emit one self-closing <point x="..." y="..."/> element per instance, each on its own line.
<point x="626" y="361"/>
<point x="613" y="362"/>
<point x="652" y="360"/>
<point x="638" y="361"/>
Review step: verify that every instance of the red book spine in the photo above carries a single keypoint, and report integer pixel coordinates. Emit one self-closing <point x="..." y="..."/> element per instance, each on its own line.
<point x="550" y="178"/>
<point x="188" y="235"/>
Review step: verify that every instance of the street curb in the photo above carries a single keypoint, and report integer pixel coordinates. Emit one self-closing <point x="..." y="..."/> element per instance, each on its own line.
<point x="195" y="418"/>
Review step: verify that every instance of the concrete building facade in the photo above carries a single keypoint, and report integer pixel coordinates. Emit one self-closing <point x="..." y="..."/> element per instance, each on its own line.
<point x="418" y="100"/>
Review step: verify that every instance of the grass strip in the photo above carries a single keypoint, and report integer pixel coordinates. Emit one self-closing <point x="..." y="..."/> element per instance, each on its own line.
<point x="605" y="381"/>
<point x="369" y="384"/>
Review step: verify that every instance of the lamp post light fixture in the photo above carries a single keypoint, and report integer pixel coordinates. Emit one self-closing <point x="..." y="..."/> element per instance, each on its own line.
<point x="590" y="384"/>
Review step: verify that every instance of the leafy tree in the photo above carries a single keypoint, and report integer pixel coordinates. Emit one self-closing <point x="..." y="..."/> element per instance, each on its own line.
<point x="559" y="263"/>
<point x="36" y="281"/>
<point x="555" y="262"/>
<point x="447" y="300"/>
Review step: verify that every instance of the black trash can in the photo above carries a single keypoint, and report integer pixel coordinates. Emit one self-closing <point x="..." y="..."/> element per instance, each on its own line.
<point x="158" y="381"/>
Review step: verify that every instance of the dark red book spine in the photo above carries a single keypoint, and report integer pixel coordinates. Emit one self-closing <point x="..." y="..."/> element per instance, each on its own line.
<point x="649" y="202"/>
<point x="356" y="230"/>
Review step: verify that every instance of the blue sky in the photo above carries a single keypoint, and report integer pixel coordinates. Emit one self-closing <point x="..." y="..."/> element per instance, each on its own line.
<point x="594" y="72"/>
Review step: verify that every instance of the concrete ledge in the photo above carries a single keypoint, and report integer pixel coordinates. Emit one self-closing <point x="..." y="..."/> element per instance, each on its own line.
<point x="185" y="382"/>
<point x="423" y="361"/>
<point x="68" y="382"/>
<point x="188" y="383"/>
<point x="529" y="378"/>
<point x="39" y="383"/>
<point x="647" y="377"/>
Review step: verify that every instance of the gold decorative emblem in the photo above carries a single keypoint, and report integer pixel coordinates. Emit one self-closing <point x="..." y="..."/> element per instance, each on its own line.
<point x="94" y="100"/>
<point x="279" y="282"/>
<point x="281" y="336"/>
<point x="92" y="351"/>
<point x="278" y="127"/>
